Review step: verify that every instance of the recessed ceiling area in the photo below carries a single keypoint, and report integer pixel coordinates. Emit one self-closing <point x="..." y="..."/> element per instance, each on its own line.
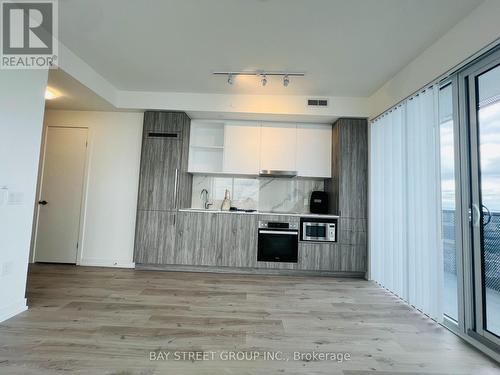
<point x="346" y="48"/>
<point x="72" y="95"/>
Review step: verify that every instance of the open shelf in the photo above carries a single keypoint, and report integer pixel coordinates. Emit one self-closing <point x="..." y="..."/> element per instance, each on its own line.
<point x="207" y="134"/>
<point x="206" y="152"/>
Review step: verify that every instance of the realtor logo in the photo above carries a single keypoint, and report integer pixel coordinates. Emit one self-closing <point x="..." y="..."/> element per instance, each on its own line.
<point x="29" y="32"/>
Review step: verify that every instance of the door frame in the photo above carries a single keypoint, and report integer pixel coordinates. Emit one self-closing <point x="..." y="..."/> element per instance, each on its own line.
<point x="457" y="326"/>
<point x="83" y="200"/>
<point x="473" y="302"/>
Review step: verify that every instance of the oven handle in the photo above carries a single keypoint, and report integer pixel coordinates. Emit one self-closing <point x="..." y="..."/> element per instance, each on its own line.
<point x="295" y="233"/>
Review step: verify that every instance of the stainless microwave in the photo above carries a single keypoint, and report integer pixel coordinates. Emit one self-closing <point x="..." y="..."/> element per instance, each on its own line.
<point x="318" y="229"/>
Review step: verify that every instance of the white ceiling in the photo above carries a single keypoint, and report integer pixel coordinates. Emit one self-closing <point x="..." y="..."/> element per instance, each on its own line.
<point x="346" y="47"/>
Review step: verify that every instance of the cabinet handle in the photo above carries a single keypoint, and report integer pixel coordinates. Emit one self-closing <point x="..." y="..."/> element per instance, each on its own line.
<point x="280" y="232"/>
<point x="175" y="186"/>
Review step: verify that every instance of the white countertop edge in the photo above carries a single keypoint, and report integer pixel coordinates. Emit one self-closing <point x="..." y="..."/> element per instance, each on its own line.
<point x="257" y="213"/>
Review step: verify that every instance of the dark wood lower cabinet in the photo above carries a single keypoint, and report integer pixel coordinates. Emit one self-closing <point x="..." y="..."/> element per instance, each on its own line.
<point x="155" y="237"/>
<point x="196" y="239"/>
<point x="319" y="257"/>
<point x="230" y="240"/>
<point x="237" y="236"/>
<point x="331" y="257"/>
<point x="354" y="257"/>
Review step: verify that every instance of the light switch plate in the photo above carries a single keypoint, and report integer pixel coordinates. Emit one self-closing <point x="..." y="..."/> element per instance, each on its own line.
<point x="15" y="198"/>
<point x="4" y="190"/>
<point x="6" y="268"/>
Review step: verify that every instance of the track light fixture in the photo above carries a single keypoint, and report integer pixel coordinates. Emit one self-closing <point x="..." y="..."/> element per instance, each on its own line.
<point x="263" y="80"/>
<point x="286" y="81"/>
<point x="262" y="74"/>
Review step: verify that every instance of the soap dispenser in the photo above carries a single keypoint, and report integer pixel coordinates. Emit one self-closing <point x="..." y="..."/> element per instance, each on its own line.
<point x="226" y="203"/>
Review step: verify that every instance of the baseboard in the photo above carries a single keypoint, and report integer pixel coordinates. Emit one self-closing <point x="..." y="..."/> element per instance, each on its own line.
<point x="12" y="310"/>
<point x="95" y="262"/>
<point x="247" y="271"/>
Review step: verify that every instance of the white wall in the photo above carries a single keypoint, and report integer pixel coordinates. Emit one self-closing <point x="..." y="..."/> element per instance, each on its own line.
<point x="112" y="175"/>
<point x="476" y="31"/>
<point x="21" y="117"/>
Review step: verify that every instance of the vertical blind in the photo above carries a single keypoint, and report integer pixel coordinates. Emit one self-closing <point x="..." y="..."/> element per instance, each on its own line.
<point x="405" y="251"/>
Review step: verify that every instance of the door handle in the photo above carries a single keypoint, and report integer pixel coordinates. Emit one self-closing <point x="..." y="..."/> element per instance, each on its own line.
<point x="43" y="203"/>
<point x="279" y="232"/>
<point x="175" y="186"/>
<point x="488" y="213"/>
<point x="476" y="215"/>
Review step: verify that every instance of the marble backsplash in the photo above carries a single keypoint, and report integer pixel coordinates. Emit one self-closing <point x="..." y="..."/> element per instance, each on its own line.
<point x="262" y="194"/>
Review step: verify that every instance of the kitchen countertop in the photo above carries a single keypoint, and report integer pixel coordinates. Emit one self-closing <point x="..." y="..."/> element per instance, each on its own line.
<point x="259" y="213"/>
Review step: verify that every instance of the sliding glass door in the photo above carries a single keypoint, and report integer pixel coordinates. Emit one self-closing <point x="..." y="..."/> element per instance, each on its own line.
<point x="488" y="125"/>
<point x="480" y="129"/>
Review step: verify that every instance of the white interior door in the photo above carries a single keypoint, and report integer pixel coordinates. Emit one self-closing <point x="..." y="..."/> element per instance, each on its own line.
<point x="61" y="195"/>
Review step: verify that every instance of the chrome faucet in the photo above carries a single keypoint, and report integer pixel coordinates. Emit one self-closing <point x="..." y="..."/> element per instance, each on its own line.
<point x="204" y="199"/>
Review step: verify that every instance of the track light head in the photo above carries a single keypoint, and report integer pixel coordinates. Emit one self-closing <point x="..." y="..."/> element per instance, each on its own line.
<point x="286" y="81"/>
<point x="261" y="74"/>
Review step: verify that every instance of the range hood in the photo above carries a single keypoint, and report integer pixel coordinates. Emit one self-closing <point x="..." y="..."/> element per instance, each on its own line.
<point x="277" y="174"/>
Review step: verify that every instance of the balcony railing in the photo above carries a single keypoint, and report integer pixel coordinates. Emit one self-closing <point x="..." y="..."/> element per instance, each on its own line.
<point x="491" y="235"/>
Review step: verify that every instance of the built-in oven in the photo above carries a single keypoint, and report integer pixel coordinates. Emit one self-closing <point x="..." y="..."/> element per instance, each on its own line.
<point x="278" y="241"/>
<point x="318" y="229"/>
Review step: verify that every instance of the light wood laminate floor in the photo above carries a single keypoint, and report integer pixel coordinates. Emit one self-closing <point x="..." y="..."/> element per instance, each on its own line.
<point x="85" y="320"/>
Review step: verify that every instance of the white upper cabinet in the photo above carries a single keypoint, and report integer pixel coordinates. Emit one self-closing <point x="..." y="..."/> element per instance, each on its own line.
<point x="247" y="147"/>
<point x="314" y="150"/>
<point x="241" y="147"/>
<point x="278" y="148"/>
